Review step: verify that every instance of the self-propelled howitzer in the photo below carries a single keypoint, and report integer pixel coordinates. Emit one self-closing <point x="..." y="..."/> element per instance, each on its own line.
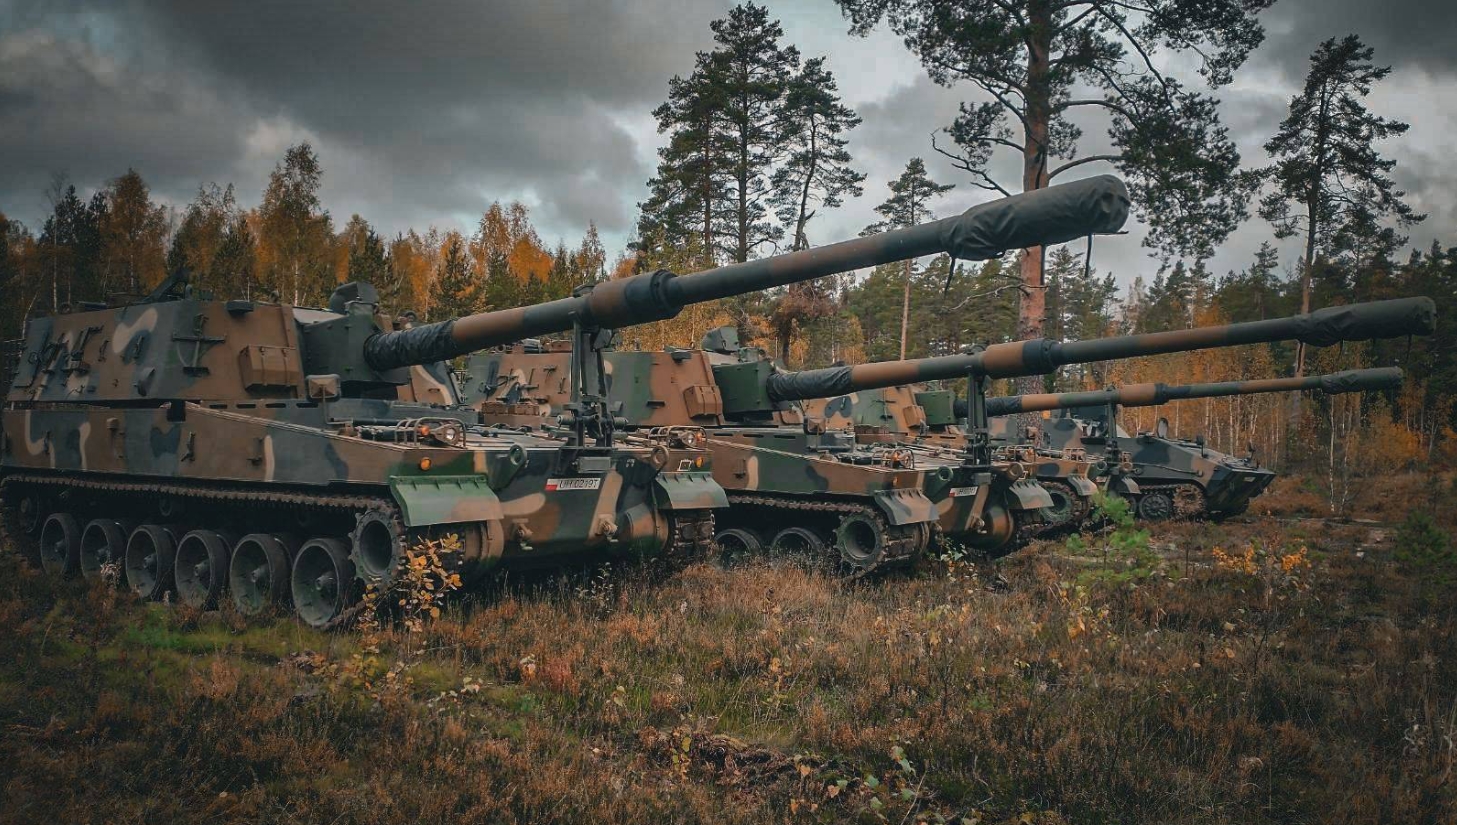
<point x="787" y="484"/>
<point x="207" y="447"/>
<point x="1175" y="477"/>
<point x="887" y="401"/>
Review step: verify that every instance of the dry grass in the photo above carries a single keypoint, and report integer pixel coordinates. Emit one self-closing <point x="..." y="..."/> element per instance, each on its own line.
<point x="1258" y="683"/>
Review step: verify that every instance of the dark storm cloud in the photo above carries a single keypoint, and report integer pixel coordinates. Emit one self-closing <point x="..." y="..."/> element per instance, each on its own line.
<point x="1405" y="33"/>
<point x="418" y="114"/>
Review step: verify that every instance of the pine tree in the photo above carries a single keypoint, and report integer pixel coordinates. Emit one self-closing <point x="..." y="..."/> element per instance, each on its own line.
<point x="1036" y="59"/>
<point x="367" y="260"/>
<point x="1329" y="180"/>
<point x="726" y="126"/>
<point x="817" y="170"/>
<point x="457" y="283"/>
<point x="907" y="207"/>
<point x="69" y="248"/>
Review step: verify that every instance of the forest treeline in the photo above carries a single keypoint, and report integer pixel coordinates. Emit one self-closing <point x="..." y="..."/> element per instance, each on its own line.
<point x="756" y="149"/>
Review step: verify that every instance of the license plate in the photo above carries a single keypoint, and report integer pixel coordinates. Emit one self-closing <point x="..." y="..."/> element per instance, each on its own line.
<point x="553" y="484"/>
<point x="959" y="492"/>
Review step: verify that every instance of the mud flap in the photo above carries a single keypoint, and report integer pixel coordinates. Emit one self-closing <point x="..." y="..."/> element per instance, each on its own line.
<point x="905" y="506"/>
<point x="428" y="500"/>
<point x="1082" y="486"/>
<point x="1026" y="494"/>
<point x="1123" y="486"/>
<point x="689" y="491"/>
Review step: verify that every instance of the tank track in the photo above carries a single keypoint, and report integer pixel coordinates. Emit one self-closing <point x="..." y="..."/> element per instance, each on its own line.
<point x="1081" y="509"/>
<point x="194" y="491"/>
<point x="904" y="543"/>
<point x="1189" y="499"/>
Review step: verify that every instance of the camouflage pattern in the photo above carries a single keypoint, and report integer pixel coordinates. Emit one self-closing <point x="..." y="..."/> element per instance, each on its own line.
<point x="776" y="471"/>
<point x="881" y="402"/>
<point x="1175" y="477"/>
<point x="242" y="416"/>
<point x="919" y="417"/>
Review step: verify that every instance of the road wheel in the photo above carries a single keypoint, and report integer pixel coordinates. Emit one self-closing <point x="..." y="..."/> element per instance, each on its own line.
<point x="737" y="545"/>
<point x="150" y="552"/>
<point x="800" y="542"/>
<point x="60" y="545"/>
<point x="103" y="547"/>
<point x="258" y="575"/>
<point x="200" y="569"/>
<point x="322" y="582"/>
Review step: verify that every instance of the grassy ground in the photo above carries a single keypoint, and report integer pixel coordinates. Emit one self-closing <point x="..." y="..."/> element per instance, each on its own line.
<point x="1291" y="670"/>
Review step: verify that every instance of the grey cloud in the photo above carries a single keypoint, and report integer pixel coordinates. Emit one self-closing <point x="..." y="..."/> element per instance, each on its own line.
<point x="419" y="115"/>
<point x="1405" y="33"/>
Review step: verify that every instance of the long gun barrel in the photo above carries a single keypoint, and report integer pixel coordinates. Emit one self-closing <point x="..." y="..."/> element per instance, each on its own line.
<point x="1046" y="216"/>
<point x="1151" y="395"/>
<point x="1377" y="319"/>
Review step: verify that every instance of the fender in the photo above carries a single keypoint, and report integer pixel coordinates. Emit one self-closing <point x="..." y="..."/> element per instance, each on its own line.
<point x="1026" y="494"/>
<point x="1123" y="486"/>
<point x="688" y="491"/>
<point x="429" y="500"/>
<point x="905" y="506"/>
<point x="1082" y="486"/>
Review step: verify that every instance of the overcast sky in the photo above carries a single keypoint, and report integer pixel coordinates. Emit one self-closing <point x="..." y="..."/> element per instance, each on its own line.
<point x="424" y="116"/>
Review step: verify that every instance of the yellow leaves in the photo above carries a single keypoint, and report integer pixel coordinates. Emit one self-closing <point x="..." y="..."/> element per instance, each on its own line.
<point x="1243" y="562"/>
<point x="1292" y="561"/>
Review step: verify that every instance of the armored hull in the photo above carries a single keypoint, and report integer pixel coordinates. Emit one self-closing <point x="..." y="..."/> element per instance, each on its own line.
<point x="787" y="486"/>
<point x="1168" y="477"/>
<point x="217" y="450"/>
<point x="919" y="418"/>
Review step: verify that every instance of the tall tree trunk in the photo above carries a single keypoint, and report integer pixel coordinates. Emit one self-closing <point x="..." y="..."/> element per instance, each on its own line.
<point x="905" y="308"/>
<point x="1033" y="304"/>
<point x="1312" y="221"/>
<point x="800" y="241"/>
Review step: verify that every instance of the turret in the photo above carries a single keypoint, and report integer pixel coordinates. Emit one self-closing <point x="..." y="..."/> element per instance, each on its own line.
<point x="1045" y="216"/>
<point x="1152" y="395"/>
<point x="1377" y="319"/>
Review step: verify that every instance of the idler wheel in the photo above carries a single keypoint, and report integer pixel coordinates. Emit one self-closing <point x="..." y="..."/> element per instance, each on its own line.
<point x="1156" y="506"/>
<point x="860" y="540"/>
<point x="32" y="515"/>
<point x="799" y="541"/>
<point x="377" y="547"/>
<point x="103" y="544"/>
<point x="201" y="567"/>
<point x="737" y="544"/>
<point x="60" y="545"/>
<point x="322" y="582"/>
<point x="150" y="552"/>
<point x="258" y="575"/>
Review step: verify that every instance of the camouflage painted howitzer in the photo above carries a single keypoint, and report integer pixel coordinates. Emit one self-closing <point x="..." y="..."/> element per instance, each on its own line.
<point x="210" y="447"/>
<point x="1175" y="477"/>
<point x="787" y="483"/>
<point x="857" y="398"/>
<point x="923" y="419"/>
